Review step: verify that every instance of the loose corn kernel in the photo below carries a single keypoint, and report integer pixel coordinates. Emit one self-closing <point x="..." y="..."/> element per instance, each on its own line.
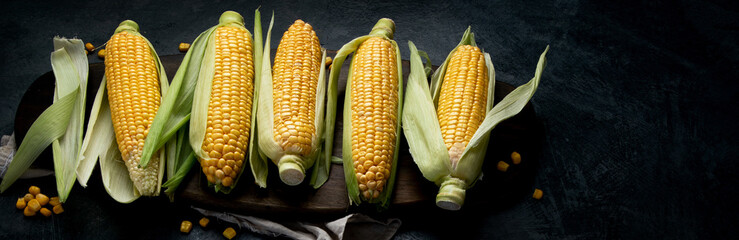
<point x="329" y="60"/>
<point x="184" y="47"/>
<point x="186" y="226"/>
<point x="229" y="233"/>
<point x="34" y="205"/>
<point x="34" y="190"/>
<point x="58" y="209"/>
<point x="538" y="193"/>
<point x="101" y="53"/>
<point x="89" y="46"/>
<point x="516" y="157"/>
<point x="28" y="197"/>
<point x="86" y="52"/>
<point x="42" y="199"/>
<point x="20" y="204"/>
<point x="503" y="166"/>
<point x="28" y="212"/>
<point x="54" y="201"/>
<point x="204" y="222"/>
<point x="45" y="211"/>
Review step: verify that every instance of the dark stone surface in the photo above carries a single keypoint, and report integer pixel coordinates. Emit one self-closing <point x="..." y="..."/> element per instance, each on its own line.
<point x="638" y="101"/>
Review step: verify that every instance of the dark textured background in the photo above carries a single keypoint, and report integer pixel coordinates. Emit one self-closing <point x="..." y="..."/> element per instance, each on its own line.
<point x="638" y="101"/>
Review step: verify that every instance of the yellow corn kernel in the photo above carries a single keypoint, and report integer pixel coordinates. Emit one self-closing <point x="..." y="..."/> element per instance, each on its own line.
<point x="183" y="47"/>
<point x="229" y="109"/>
<point x="374" y="102"/>
<point x="28" y="212"/>
<point x="503" y="166"/>
<point x="538" y="193"/>
<point x="20" y="204"/>
<point x="34" y="205"/>
<point x="45" y="211"/>
<point x="101" y="53"/>
<point x="186" y="226"/>
<point x="229" y="233"/>
<point x="33" y="190"/>
<point x="28" y="197"/>
<point x="134" y="97"/>
<point x="42" y="199"/>
<point x="58" y="209"/>
<point x="463" y="99"/>
<point x="89" y="47"/>
<point x="329" y="60"/>
<point x="295" y="82"/>
<point x="515" y="157"/>
<point x="204" y="222"/>
<point x="54" y="201"/>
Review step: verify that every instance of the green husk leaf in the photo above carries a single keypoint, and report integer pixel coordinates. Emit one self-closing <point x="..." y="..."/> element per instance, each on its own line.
<point x="350" y="177"/>
<point x="201" y="97"/>
<point x="70" y="70"/>
<point x="423" y="134"/>
<point x="333" y="93"/>
<point x="258" y="164"/>
<point x="97" y="137"/>
<point x="176" y="105"/>
<point x="254" y="154"/>
<point x="322" y="167"/>
<point x="49" y="126"/>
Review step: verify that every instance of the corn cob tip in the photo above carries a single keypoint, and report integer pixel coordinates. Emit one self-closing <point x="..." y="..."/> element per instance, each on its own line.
<point x="291" y="169"/>
<point x="231" y="17"/>
<point x="451" y="194"/>
<point x="384" y="27"/>
<point x="127" y="25"/>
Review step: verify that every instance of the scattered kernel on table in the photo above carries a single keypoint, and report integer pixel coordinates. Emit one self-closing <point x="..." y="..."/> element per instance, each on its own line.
<point x="186" y="226"/>
<point x="229" y="233"/>
<point x="89" y="46"/>
<point x="45" y="211"/>
<point x="184" y="47"/>
<point x="28" y="212"/>
<point x="28" y="197"/>
<point x="329" y="60"/>
<point x="34" y="205"/>
<point x="516" y="157"/>
<point x="503" y="166"/>
<point x="42" y="199"/>
<point x="20" y="204"/>
<point x="204" y="222"/>
<point x="58" y="209"/>
<point x="538" y="193"/>
<point x="34" y="190"/>
<point x="101" y="53"/>
<point x="54" y="201"/>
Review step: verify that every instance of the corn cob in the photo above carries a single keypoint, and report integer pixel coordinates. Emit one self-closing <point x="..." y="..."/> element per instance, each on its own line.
<point x="448" y="129"/>
<point x="295" y="91"/>
<point x="134" y="96"/>
<point x="463" y="99"/>
<point x="374" y="102"/>
<point x="230" y="106"/>
<point x="372" y="108"/>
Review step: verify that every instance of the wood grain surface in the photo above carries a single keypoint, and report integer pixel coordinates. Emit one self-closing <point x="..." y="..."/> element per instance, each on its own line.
<point x="523" y="133"/>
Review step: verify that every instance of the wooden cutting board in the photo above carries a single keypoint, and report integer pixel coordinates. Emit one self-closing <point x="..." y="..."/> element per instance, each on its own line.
<point x="522" y="133"/>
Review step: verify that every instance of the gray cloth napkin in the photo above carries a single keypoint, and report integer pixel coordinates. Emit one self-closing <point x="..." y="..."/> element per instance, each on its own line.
<point x="352" y="226"/>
